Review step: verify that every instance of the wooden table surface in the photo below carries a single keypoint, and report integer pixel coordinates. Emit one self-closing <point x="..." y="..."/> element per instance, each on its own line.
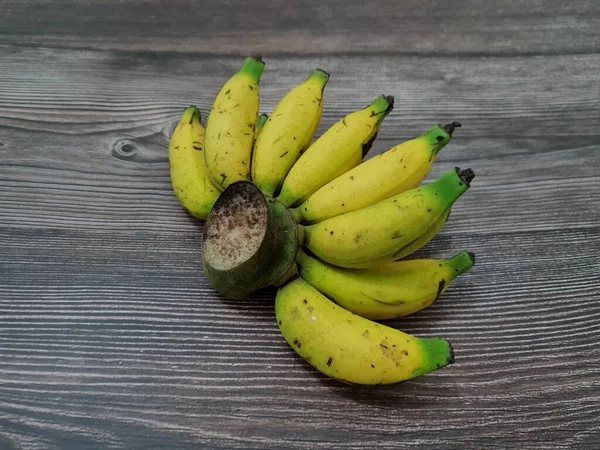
<point x="110" y="337"/>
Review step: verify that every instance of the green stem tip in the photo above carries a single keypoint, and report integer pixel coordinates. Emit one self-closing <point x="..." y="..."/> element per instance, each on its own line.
<point x="462" y="262"/>
<point x="439" y="353"/>
<point x="189" y="114"/>
<point x="262" y="119"/>
<point x="321" y="74"/>
<point x="382" y="104"/>
<point x="253" y="67"/>
<point x="450" y="186"/>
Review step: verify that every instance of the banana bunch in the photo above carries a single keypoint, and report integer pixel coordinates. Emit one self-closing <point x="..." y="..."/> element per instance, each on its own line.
<point x="329" y="229"/>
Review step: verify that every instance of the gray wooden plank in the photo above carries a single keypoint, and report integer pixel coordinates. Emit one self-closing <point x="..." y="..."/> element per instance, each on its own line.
<point x="87" y="91"/>
<point x="73" y="127"/>
<point x="114" y="339"/>
<point x="307" y="26"/>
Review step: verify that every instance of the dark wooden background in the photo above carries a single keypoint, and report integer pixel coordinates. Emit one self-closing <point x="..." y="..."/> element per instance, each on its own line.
<point x="111" y="338"/>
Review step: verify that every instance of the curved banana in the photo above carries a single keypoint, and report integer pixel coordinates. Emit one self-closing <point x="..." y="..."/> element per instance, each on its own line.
<point x="424" y="238"/>
<point x="349" y="348"/>
<point x="189" y="175"/>
<point x="288" y="132"/>
<point x="379" y="233"/>
<point x="338" y="150"/>
<point x="388" y="291"/>
<point x="231" y="125"/>
<point x="399" y="169"/>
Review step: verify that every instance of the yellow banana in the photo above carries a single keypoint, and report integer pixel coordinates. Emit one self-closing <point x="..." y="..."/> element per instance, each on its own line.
<point x="379" y="233"/>
<point x="424" y="238"/>
<point x="388" y="291"/>
<point x="231" y="125"/>
<point x="288" y="132"/>
<point x="338" y="150"/>
<point x="401" y="168"/>
<point x="189" y="176"/>
<point x="348" y="347"/>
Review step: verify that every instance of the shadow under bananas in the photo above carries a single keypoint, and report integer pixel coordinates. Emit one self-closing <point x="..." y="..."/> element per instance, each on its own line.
<point x="411" y="394"/>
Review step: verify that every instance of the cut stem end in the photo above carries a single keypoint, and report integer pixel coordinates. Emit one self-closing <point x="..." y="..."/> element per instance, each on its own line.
<point x="466" y="175"/>
<point x="450" y="127"/>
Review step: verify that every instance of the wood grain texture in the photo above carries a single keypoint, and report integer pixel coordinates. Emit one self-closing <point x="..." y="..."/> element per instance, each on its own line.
<point x="110" y="336"/>
<point x="480" y="27"/>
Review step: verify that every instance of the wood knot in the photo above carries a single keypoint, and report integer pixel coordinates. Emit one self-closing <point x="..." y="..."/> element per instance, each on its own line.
<point x="153" y="148"/>
<point x="124" y="149"/>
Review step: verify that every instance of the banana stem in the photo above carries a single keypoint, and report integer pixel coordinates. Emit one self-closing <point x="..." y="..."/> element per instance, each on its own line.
<point x="189" y="114"/>
<point x="466" y="175"/>
<point x="302" y="235"/>
<point x="262" y="119"/>
<point x="462" y="262"/>
<point x="301" y="257"/>
<point x="382" y="105"/>
<point x="450" y="127"/>
<point x="296" y="214"/>
<point x="450" y="186"/>
<point x="439" y="352"/>
<point x="253" y="67"/>
<point x="321" y="75"/>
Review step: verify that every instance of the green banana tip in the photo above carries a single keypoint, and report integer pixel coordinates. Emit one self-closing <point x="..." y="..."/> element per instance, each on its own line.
<point x="262" y="119"/>
<point x="462" y="262"/>
<point x="439" y="353"/>
<point x="466" y="175"/>
<point x="450" y="127"/>
<point x="253" y="66"/>
<point x="320" y="73"/>
<point x="190" y="113"/>
<point x="382" y="105"/>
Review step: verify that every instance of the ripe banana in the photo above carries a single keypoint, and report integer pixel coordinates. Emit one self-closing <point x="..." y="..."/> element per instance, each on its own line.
<point x="349" y="348"/>
<point x="388" y="291"/>
<point x="338" y="150"/>
<point x="189" y="175"/>
<point x="379" y="233"/>
<point x="288" y="132"/>
<point x="231" y="125"/>
<point x="399" y="169"/>
<point x="424" y="239"/>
